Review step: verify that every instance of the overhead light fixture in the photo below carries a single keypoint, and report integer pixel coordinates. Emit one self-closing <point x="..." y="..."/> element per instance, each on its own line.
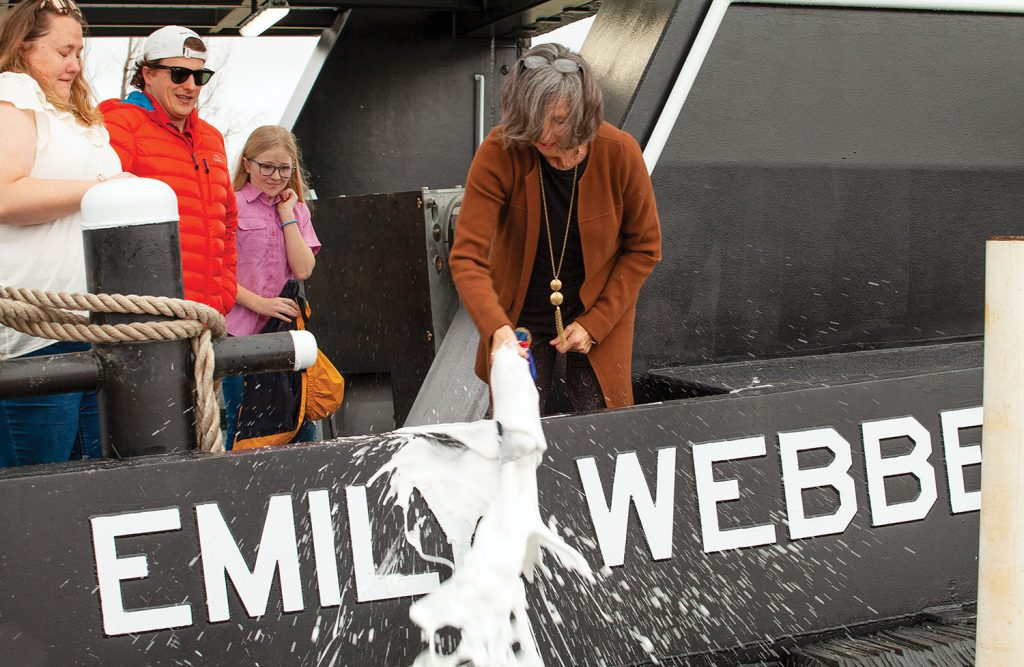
<point x="264" y="15"/>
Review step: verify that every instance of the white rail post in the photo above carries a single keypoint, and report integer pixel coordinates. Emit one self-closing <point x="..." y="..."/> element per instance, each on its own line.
<point x="1000" y="639"/>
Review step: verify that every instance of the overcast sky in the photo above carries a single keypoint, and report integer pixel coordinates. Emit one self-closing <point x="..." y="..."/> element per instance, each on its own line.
<point x="571" y="35"/>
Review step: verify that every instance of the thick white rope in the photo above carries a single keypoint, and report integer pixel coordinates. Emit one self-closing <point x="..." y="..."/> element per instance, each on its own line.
<point x="50" y="315"/>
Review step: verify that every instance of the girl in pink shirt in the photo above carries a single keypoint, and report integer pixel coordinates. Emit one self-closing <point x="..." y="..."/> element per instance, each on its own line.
<point x="275" y="240"/>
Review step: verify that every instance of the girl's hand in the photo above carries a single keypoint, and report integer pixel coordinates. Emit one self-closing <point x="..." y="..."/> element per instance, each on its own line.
<point x="286" y="207"/>
<point x="283" y="309"/>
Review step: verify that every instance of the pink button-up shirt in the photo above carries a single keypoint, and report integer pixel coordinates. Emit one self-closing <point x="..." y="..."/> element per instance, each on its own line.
<point x="262" y="258"/>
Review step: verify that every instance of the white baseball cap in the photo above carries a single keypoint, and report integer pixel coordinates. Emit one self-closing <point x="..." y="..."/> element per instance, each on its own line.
<point x="169" y="42"/>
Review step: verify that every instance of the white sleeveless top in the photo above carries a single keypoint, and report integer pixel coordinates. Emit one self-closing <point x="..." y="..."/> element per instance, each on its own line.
<point x="49" y="256"/>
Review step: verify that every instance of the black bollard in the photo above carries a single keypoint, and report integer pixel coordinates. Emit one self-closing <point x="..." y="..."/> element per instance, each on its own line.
<point x="286" y="351"/>
<point x="145" y="392"/>
<point x="51" y="374"/>
<point x="130" y="229"/>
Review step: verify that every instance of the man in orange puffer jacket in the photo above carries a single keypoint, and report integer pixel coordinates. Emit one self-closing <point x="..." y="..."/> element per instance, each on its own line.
<point x="158" y="134"/>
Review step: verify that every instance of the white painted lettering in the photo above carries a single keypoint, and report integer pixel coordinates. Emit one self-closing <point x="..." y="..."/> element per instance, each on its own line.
<point x="710" y="493"/>
<point x="111" y="571"/>
<point x="277" y="551"/>
<point x="959" y="457"/>
<point x="835" y="475"/>
<point x="323" y="548"/>
<point x="629" y="484"/>
<point x="369" y="584"/>
<point x="914" y="463"/>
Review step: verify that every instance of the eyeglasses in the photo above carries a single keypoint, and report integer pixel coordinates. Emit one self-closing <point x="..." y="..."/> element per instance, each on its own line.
<point x="63" y="7"/>
<point x="181" y="74"/>
<point x="563" y="65"/>
<point x="267" y="169"/>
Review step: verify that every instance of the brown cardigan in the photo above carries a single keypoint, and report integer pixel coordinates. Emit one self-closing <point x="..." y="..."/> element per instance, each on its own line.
<point x="496" y="244"/>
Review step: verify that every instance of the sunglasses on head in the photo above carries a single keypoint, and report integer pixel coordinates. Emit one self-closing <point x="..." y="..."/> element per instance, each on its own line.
<point x="64" y="7"/>
<point x="181" y="74"/>
<point x="563" y="65"/>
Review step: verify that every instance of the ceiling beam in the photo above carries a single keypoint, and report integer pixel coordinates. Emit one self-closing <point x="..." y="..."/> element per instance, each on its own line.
<point x="309" y="17"/>
<point x="526" y="18"/>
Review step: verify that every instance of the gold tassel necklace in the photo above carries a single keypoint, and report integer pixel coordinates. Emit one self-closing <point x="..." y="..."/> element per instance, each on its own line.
<point x="556" y="284"/>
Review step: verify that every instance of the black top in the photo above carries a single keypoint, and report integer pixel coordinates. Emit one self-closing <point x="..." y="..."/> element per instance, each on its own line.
<point x="538" y="314"/>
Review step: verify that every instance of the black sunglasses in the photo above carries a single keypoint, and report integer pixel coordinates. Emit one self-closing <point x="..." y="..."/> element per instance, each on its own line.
<point x="181" y="74"/>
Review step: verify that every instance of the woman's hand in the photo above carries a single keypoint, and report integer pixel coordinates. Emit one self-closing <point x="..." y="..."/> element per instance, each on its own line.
<point x="286" y="207"/>
<point x="504" y="335"/>
<point x="576" y="339"/>
<point x="283" y="309"/>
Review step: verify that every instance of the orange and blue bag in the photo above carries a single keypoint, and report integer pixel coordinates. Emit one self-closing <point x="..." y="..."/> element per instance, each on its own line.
<point x="275" y="405"/>
<point x="324" y="386"/>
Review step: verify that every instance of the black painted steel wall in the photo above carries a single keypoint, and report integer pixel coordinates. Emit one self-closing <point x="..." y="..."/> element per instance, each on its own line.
<point x="831" y="181"/>
<point x="393" y="107"/>
<point x="688" y="602"/>
<point x="371" y="299"/>
<point x="828" y="186"/>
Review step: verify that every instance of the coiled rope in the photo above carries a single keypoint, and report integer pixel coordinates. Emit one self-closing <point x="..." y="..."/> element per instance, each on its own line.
<point x="50" y="315"/>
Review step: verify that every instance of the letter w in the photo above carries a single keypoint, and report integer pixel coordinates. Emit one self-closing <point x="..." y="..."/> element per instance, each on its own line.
<point x="628" y="484"/>
<point x="277" y="551"/>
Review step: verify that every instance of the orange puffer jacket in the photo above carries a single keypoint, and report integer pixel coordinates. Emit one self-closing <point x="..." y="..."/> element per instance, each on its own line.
<point x="196" y="168"/>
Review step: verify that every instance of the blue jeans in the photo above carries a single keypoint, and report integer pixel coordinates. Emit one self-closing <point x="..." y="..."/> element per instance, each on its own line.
<point x="7" y="456"/>
<point x="52" y="428"/>
<point x="233" y="387"/>
<point x="306" y="433"/>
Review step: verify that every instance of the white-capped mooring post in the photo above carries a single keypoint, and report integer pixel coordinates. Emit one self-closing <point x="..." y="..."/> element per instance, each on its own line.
<point x="1000" y="638"/>
<point x="145" y="389"/>
<point x="130" y="230"/>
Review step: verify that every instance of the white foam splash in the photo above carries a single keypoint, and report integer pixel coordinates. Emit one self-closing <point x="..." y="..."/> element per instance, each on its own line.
<point x="482" y="488"/>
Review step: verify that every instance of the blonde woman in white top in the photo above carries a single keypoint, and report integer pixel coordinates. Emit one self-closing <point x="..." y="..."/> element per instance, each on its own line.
<point x="54" y="148"/>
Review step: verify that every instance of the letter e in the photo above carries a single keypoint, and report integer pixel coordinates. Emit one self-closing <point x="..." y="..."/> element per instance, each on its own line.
<point x="711" y="492"/>
<point x="111" y="571"/>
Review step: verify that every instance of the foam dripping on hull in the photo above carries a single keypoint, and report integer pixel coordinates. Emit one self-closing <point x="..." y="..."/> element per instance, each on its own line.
<point x="480" y="482"/>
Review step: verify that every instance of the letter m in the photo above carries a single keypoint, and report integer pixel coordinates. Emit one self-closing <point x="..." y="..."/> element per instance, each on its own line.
<point x="276" y="552"/>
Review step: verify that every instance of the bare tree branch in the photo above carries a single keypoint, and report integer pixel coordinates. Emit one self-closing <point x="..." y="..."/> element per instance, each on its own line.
<point x="214" y="104"/>
<point x="132" y="54"/>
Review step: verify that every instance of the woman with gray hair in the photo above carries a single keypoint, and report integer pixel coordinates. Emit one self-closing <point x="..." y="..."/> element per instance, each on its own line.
<point x="558" y="231"/>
